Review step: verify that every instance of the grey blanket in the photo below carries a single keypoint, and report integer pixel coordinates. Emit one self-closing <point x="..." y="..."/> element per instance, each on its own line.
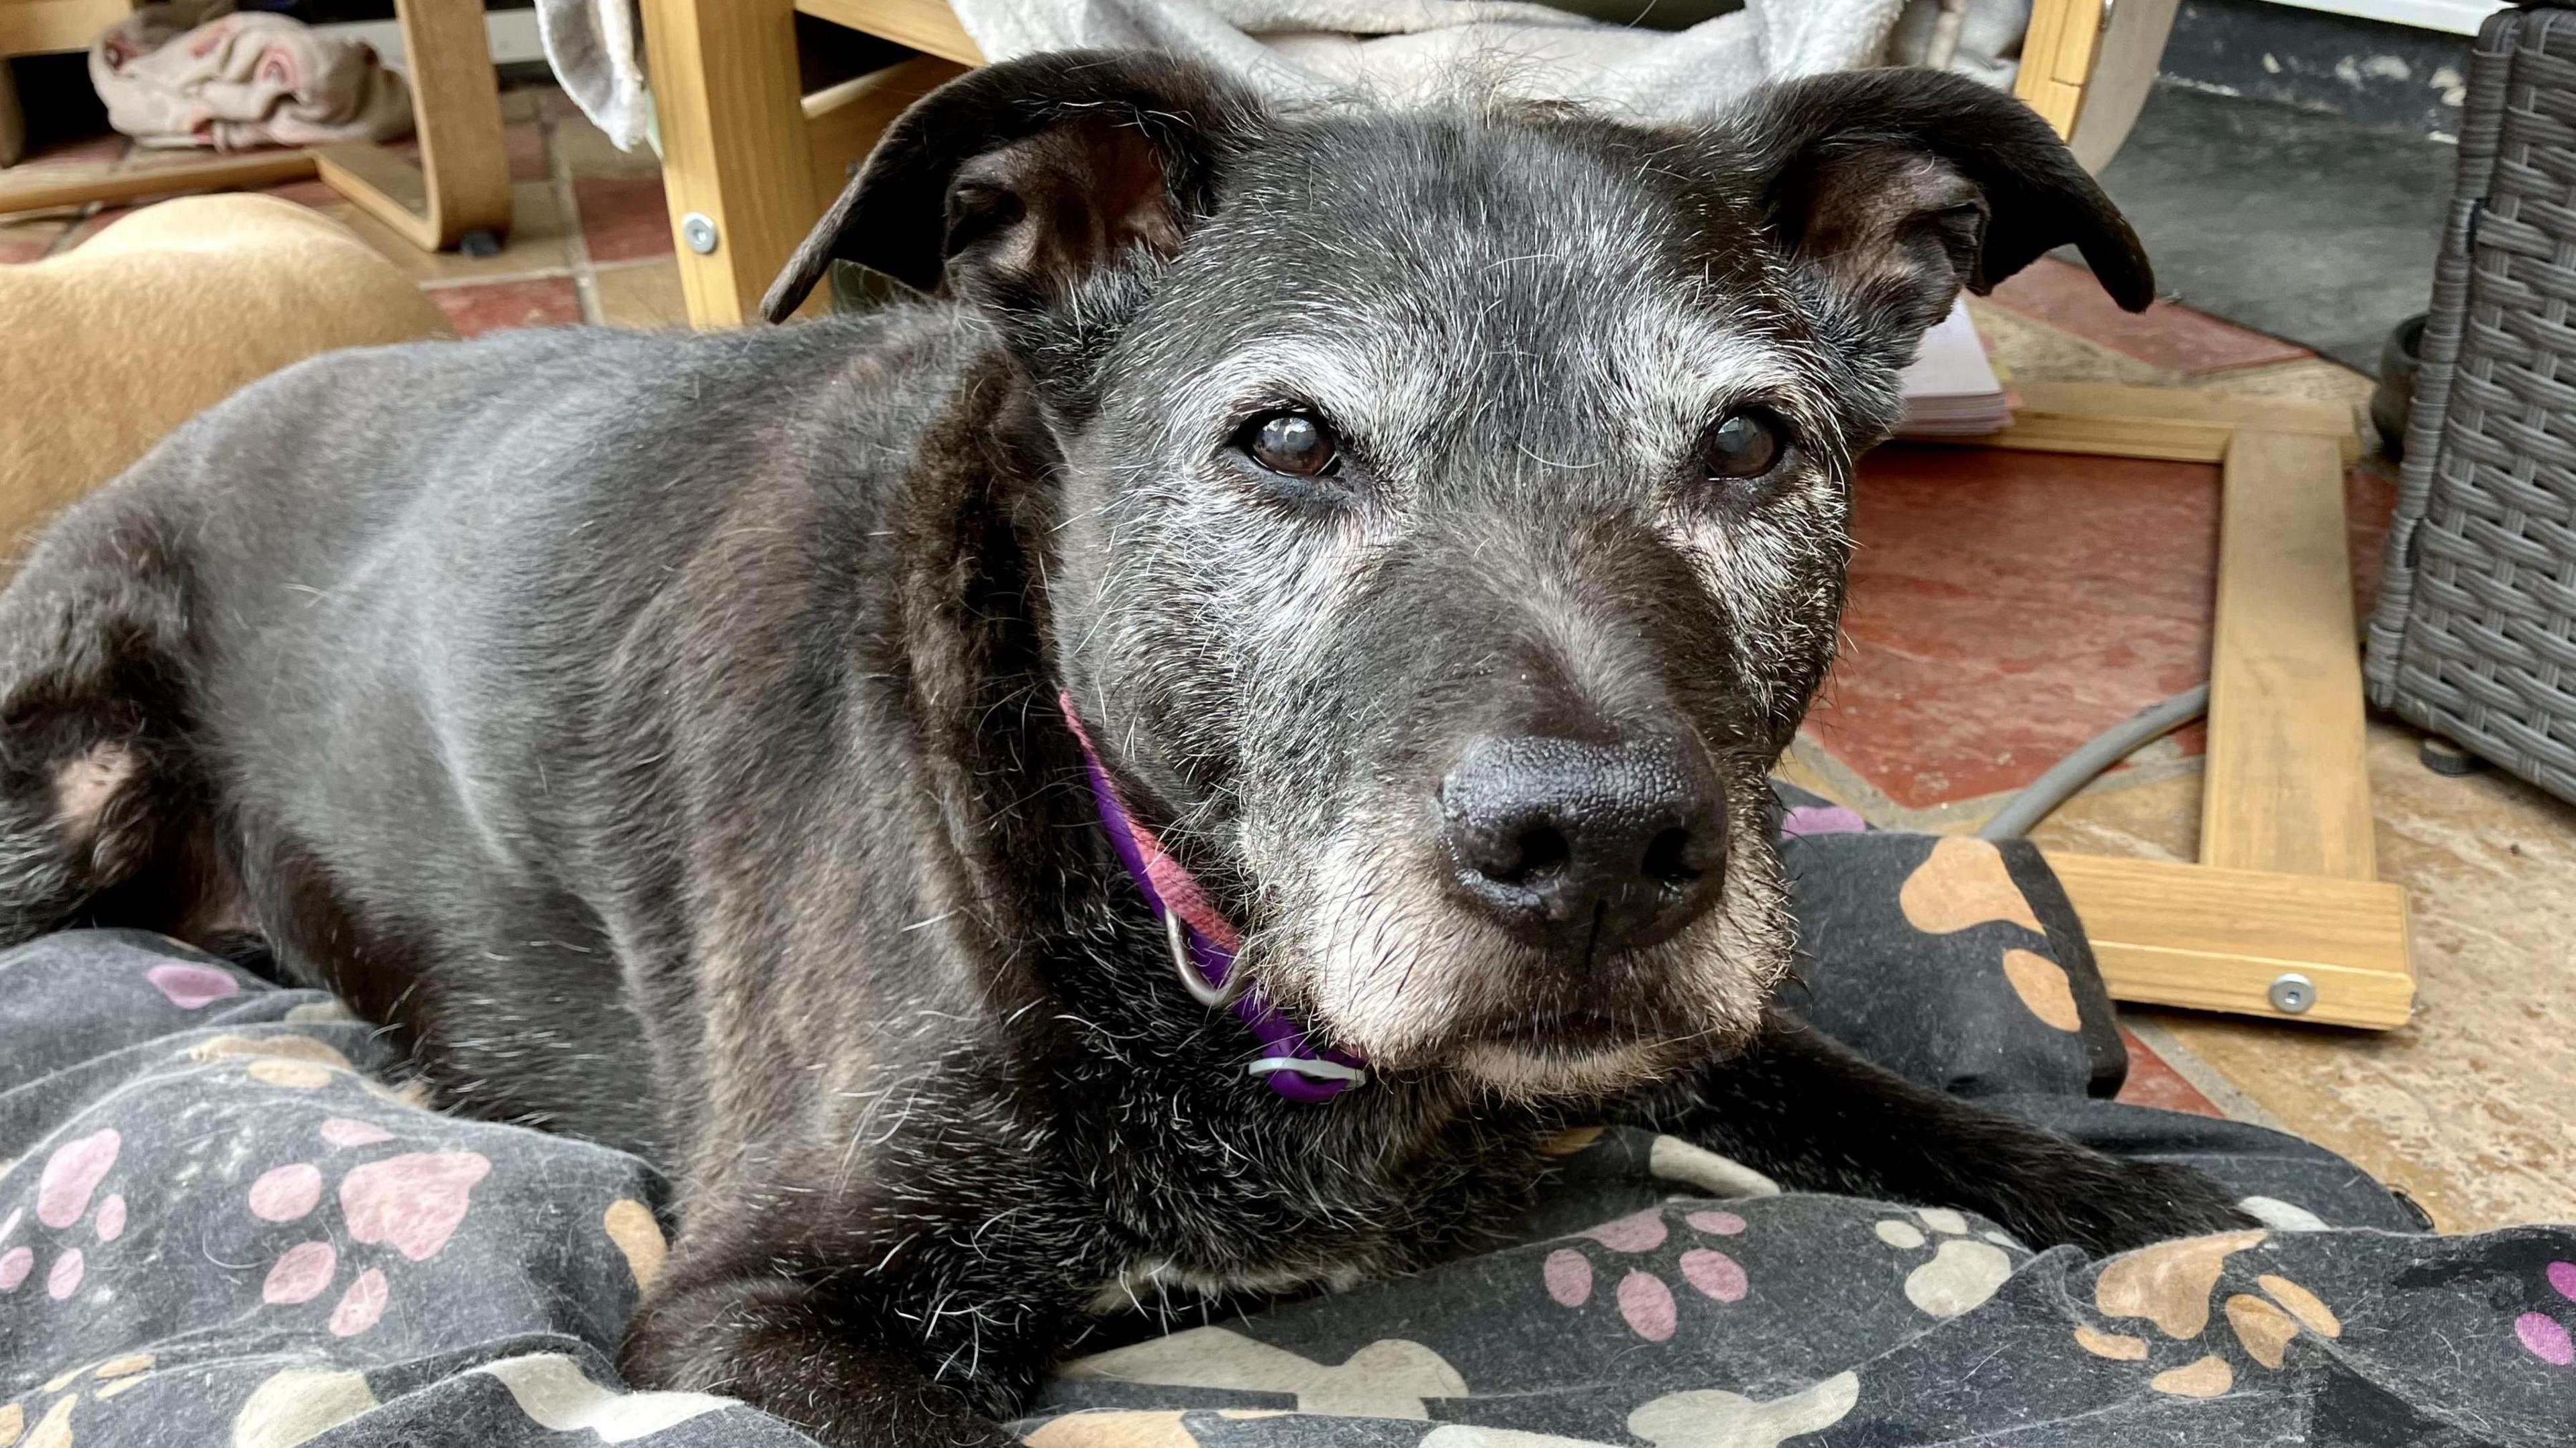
<point x="225" y="1220"/>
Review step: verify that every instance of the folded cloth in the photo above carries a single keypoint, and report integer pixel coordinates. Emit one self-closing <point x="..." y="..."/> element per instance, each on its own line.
<point x="1306" y="51"/>
<point x="190" y="73"/>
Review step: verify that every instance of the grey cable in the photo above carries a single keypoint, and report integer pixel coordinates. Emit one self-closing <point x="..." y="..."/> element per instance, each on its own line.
<point x="2044" y="794"/>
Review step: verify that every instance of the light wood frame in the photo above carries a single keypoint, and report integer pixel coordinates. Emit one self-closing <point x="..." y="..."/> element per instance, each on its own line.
<point x="744" y="152"/>
<point x="2087" y="66"/>
<point x="2287" y="882"/>
<point x="2286" y="887"/>
<point x="460" y="187"/>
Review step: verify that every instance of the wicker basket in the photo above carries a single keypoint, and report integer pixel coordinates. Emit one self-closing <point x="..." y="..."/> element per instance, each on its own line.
<point x="2475" y="636"/>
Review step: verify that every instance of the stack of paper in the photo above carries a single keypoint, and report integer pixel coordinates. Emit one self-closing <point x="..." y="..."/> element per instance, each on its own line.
<point x="1951" y="390"/>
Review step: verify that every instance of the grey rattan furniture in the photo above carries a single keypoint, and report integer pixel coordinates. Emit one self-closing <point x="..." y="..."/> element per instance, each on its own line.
<point x="2475" y="636"/>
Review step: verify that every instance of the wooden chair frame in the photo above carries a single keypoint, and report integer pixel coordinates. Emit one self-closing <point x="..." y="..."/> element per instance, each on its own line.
<point x="460" y="187"/>
<point x="2087" y="65"/>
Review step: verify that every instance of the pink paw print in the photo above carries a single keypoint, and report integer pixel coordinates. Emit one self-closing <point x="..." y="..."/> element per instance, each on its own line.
<point x="412" y="1203"/>
<point x="2543" y="1335"/>
<point x="67" y="1192"/>
<point x="1645" y="1299"/>
<point x="192" y="987"/>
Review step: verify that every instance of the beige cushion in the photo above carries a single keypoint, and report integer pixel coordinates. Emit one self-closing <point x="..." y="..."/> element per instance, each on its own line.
<point x="110" y="346"/>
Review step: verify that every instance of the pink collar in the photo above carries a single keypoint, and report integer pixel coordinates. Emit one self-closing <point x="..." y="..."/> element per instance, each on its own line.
<point x="1204" y="944"/>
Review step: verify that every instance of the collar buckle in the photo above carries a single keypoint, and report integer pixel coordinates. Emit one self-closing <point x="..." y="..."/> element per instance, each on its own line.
<point x="1216" y="996"/>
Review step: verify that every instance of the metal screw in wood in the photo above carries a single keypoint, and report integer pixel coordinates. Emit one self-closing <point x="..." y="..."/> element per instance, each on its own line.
<point x="2292" y="993"/>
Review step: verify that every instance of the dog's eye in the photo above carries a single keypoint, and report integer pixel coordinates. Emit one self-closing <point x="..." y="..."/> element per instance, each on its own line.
<point x="1742" y="445"/>
<point x="1292" y="443"/>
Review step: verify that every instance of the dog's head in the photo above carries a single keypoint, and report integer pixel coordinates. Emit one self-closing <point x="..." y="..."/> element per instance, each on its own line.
<point x="1453" y="503"/>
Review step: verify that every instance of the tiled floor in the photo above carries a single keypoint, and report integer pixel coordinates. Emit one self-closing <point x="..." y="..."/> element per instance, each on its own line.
<point x="2004" y="608"/>
<point x="590" y="240"/>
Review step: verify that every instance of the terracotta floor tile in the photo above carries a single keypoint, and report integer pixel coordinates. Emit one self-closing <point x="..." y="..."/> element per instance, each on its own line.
<point x="585" y="151"/>
<point x="535" y="243"/>
<point x="525" y="103"/>
<point x="527" y="146"/>
<point x="2166" y="335"/>
<point x="476" y="308"/>
<point x="29" y="240"/>
<point x="2006" y="607"/>
<point x="623" y="218"/>
<point x="2369" y="507"/>
<point x="552" y="104"/>
<point x="2153" y="1083"/>
<point x="644" y="295"/>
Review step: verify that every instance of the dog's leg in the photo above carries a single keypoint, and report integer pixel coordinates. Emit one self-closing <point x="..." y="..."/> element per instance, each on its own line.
<point x="1801" y="1108"/>
<point x="99" y="820"/>
<point x="825" y="1356"/>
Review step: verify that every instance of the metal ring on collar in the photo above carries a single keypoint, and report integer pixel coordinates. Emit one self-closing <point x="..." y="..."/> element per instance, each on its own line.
<point x="1308" y="1066"/>
<point x="1213" y="996"/>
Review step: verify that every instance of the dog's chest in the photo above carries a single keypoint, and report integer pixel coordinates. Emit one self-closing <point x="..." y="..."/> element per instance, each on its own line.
<point x="1283" y="1217"/>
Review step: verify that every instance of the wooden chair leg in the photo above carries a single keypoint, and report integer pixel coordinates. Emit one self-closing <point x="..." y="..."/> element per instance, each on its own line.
<point x="2087" y="65"/>
<point x="735" y="158"/>
<point x="2133" y="47"/>
<point x="2057" y="58"/>
<point x="462" y="185"/>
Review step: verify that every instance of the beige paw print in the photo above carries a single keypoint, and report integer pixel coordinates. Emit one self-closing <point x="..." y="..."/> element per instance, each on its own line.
<point x="53" y="1427"/>
<point x="2171" y="1286"/>
<point x="1703" y="1418"/>
<point x="1962" y="1272"/>
<point x="1389" y="1378"/>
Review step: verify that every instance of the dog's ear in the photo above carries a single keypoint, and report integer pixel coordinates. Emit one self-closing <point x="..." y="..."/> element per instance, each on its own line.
<point x="1899" y="187"/>
<point x="1014" y="182"/>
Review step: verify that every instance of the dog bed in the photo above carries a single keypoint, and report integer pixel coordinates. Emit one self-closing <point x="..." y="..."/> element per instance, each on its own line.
<point x="109" y="346"/>
<point x="227" y="1220"/>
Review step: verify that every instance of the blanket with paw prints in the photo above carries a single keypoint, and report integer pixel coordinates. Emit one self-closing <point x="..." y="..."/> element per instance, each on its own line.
<point x="224" y="1221"/>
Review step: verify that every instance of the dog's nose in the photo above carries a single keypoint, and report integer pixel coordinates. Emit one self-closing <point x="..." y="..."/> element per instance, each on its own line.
<point x="1584" y="846"/>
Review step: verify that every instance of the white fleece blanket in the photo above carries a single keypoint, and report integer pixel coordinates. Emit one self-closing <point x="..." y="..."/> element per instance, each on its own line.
<point x="1312" y="50"/>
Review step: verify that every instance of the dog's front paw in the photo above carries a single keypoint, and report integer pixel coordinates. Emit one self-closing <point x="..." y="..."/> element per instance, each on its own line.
<point x="2120" y="1204"/>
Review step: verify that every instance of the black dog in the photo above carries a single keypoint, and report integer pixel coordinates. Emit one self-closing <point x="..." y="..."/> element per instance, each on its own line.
<point x="1398" y="543"/>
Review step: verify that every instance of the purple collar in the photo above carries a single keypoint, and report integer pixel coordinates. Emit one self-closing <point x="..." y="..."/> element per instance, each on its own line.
<point x="1204" y="944"/>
